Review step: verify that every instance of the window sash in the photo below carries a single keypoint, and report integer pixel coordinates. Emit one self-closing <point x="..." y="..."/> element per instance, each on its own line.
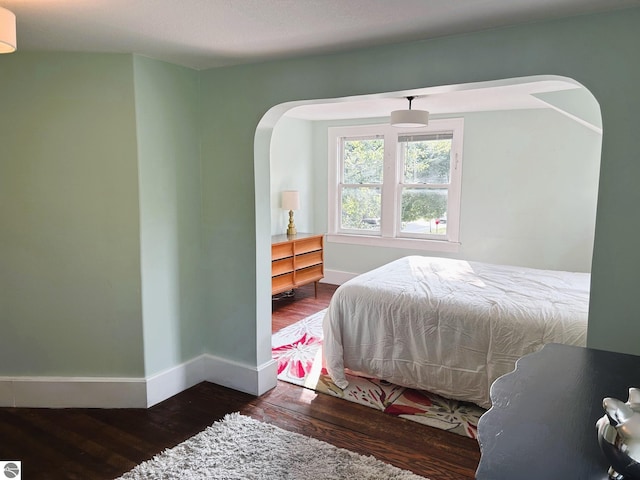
<point x="393" y="179"/>
<point x="370" y="221"/>
<point x="434" y="231"/>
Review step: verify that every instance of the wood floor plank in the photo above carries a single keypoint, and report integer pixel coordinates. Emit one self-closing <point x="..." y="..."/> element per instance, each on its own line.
<point x="290" y="309"/>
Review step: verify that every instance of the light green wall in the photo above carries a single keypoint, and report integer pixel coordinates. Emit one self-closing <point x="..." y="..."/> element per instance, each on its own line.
<point x="578" y="104"/>
<point x="229" y="121"/>
<point x="530" y="188"/>
<point x="598" y="51"/>
<point x="69" y="241"/>
<point x="292" y="169"/>
<point x="100" y="197"/>
<point x="169" y="175"/>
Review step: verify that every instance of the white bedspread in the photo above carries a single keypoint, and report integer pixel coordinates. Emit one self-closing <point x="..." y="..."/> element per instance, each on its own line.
<point x="449" y="326"/>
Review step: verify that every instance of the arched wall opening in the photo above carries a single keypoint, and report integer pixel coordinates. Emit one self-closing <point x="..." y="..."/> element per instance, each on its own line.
<point x="535" y="137"/>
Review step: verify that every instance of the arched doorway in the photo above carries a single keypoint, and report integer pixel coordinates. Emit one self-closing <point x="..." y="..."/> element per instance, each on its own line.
<point x="535" y="117"/>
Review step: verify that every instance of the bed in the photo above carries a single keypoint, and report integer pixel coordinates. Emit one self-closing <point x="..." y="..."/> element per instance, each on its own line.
<point x="450" y="326"/>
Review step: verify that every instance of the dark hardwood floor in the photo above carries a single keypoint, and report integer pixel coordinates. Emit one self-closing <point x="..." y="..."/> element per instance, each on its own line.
<point x="105" y="443"/>
<point x="290" y="309"/>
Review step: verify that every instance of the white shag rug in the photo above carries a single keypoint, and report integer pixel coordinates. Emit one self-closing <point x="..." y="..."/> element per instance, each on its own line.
<point x="239" y="447"/>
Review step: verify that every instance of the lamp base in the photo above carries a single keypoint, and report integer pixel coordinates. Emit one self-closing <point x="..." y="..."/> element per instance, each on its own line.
<point x="291" y="230"/>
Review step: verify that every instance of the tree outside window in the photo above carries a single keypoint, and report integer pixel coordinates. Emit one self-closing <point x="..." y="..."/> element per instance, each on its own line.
<point x="396" y="184"/>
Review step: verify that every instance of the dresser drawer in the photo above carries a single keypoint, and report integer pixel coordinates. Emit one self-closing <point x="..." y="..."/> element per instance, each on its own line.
<point x="278" y="267"/>
<point x="282" y="283"/>
<point x="307" y="245"/>
<point x="307" y="275"/>
<point x="309" y="259"/>
<point x="281" y="250"/>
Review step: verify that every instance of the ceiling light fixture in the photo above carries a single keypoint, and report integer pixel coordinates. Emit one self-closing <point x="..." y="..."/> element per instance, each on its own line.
<point x="7" y="31"/>
<point x="409" y="118"/>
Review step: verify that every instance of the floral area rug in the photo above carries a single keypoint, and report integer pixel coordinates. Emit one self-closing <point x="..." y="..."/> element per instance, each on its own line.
<point x="298" y="350"/>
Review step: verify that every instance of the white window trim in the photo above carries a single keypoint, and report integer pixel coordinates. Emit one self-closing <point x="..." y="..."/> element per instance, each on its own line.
<point x="390" y="235"/>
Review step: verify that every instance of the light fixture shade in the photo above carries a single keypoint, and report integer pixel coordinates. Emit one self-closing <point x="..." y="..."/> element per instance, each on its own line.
<point x="7" y="31"/>
<point x="290" y="200"/>
<point x="409" y="118"/>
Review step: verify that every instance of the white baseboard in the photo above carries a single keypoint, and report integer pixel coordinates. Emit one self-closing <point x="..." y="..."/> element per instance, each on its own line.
<point x="175" y="380"/>
<point x="98" y="392"/>
<point x="253" y="380"/>
<point x="72" y="392"/>
<point x="336" y="277"/>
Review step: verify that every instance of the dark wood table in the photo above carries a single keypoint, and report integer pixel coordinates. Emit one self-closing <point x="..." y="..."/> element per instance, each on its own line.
<point x="542" y="423"/>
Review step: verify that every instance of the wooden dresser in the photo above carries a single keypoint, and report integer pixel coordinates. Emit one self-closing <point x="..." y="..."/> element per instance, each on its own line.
<point x="296" y="260"/>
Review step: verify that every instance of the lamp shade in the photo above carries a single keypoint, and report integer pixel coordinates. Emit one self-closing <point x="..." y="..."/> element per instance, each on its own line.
<point x="7" y="31"/>
<point x="290" y="200"/>
<point x="409" y="118"/>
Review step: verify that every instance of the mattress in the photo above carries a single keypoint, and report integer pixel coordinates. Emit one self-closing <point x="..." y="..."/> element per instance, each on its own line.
<point x="449" y="326"/>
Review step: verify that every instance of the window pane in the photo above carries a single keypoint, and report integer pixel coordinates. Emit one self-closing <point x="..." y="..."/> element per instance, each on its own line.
<point x="363" y="160"/>
<point x="427" y="158"/>
<point x="361" y="208"/>
<point x="424" y="211"/>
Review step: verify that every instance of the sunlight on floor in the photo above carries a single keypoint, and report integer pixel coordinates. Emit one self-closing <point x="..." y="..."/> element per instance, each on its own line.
<point x="314" y="374"/>
<point x="307" y="396"/>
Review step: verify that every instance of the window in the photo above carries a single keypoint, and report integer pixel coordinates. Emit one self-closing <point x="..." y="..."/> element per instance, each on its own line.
<point x="396" y="187"/>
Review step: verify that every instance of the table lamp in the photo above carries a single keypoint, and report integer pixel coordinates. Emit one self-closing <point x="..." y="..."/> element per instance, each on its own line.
<point x="291" y="202"/>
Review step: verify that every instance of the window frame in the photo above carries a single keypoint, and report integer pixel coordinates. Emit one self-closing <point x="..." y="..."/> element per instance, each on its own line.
<point x="342" y="185"/>
<point x="390" y="234"/>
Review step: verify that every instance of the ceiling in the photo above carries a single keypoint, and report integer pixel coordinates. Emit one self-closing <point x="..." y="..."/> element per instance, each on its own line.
<point x="204" y="34"/>
<point x="211" y="33"/>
